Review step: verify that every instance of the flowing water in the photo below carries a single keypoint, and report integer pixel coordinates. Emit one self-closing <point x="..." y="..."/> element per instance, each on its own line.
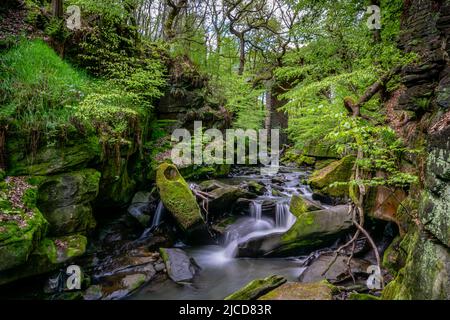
<point x="221" y="272"/>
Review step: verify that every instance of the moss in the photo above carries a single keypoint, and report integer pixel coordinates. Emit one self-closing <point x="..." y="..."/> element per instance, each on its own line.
<point x="257" y="288"/>
<point x="305" y="224"/>
<point x="393" y="257"/>
<point x="49" y="255"/>
<point x="338" y="171"/>
<point x="300" y="291"/>
<point x="298" y="206"/>
<point x="22" y="225"/>
<point x="177" y="196"/>
<point x="362" y="296"/>
<point x="425" y="275"/>
<point x="52" y="160"/>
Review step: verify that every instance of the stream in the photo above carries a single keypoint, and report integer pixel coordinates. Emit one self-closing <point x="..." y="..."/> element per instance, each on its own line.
<point x="221" y="272"/>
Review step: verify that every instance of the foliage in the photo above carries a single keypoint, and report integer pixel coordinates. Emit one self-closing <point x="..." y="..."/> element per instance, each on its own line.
<point x="34" y="92"/>
<point x="382" y="152"/>
<point x="341" y="60"/>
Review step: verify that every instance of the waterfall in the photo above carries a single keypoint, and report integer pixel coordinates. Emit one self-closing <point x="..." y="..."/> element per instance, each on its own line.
<point x="157" y="216"/>
<point x="256" y="210"/>
<point x="283" y="217"/>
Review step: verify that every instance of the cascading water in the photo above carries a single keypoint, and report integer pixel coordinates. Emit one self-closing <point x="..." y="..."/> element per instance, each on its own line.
<point x="284" y="219"/>
<point x="248" y="229"/>
<point x="256" y="210"/>
<point x="157" y="216"/>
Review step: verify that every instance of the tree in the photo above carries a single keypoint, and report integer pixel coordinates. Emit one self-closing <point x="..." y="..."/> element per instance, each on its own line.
<point x="57" y="9"/>
<point x="175" y="8"/>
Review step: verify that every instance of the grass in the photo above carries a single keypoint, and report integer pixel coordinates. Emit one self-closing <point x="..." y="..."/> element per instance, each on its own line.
<point x="37" y="87"/>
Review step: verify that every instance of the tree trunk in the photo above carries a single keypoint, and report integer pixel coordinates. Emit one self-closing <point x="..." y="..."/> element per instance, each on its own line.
<point x="175" y="8"/>
<point x="57" y="8"/>
<point x="241" y="55"/>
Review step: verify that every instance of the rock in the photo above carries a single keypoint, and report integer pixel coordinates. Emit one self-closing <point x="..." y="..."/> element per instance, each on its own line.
<point x="159" y="267"/>
<point x="52" y="160"/>
<point x="141" y="212"/>
<point x="338" y="171"/>
<point x="301" y="291"/>
<point x="276" y="193"/>
<point x="310" y="231"/>
<point x="50" y="255"/>
<point x="177" y="197"/>
<point x="257" y="288"/>
<point x="120" y="275"/>
<point x="362" y="296"/>
<point x="336" y="273"/>
<point x="277" y="180"/>
<point x="256" y="188"/>
<point x="141" y="197"/>
<point x="22" y="225"/>
<point x="93" y="293"/>
<point x="180" y="267"/>
<point x="426" y="272"/>
<point x="117" y="187"/>
<point x="65" y="201"/>
<point x="223" y="196"/>
<point x="123" y="285"/>
<point x="300" y="205"/>
<point x="196" y="172"/>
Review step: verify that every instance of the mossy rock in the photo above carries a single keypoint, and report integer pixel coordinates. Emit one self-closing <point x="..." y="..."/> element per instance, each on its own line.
<point x="362" y="296"/>
<point x="68" y="189"/>
<point x="338" y="171"/>
<point x="177" y="197"/>
<point x="117" y="187"/>
<point x="22" y="225"/>
<point x="425" y="275"/>
<point x="394" y="257"/>
<point x="196" y="172"/>
<point x="317" y="227"/>
<point x="50" y="255"/>
<point x="301" y="291"/>
<point x="65" y="201"/>
<point x="257" y="288"/>
<point x="310" y="231"/>
<point x="52" y="160"/>
<point x="299" y="205"/>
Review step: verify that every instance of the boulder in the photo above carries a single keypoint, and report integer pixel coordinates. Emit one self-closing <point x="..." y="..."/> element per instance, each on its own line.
<point x="337" y="272"/>
<point x="22" y="225"/>
<point x="65" y="200"/>
<point x="223" y="196"/>
<point x="52" y="160"/>
<point x="50" y="255"/>
<point x="337" y="171"/>
<point x="180" y="267"/>
<point x="300" y="205"/>
<point x="310" y="231"/>
<point x="123" y="274"/>
<point x="256" y="187"/>
<point x="426" y="271"/>
<point x="177" y="197"/>
<point x="301" y="291"/>
<point x="257" y="288"/>
<point x="140" y="208"/>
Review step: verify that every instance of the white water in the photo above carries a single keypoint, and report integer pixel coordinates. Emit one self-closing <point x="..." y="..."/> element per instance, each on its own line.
<point x="255" y="227"/>
<point x="256" y="210"/>
<point x="157" y="219"/>
<point x="157" y="216"/>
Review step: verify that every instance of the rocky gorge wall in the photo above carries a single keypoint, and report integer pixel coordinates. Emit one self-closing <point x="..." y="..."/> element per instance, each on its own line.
<point x="421" y="114"/>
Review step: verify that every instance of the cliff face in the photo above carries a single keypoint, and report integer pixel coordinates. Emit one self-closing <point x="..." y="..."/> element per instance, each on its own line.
<point x="421" y="113"/>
